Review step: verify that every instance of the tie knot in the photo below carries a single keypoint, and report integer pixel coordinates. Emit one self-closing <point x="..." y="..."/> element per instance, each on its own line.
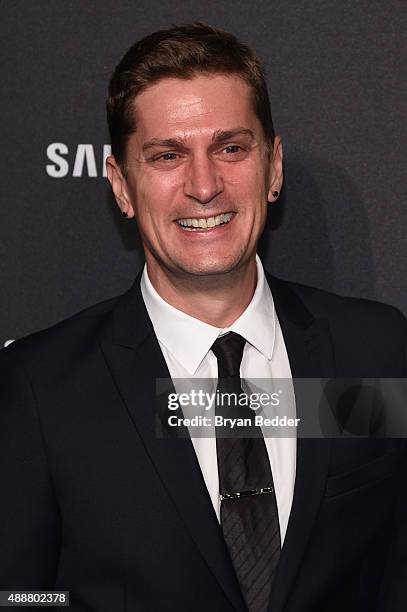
<point x="228" y="350"/>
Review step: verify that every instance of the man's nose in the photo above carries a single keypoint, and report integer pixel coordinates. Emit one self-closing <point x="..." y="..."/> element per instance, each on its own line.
<point x="203" y="181"/>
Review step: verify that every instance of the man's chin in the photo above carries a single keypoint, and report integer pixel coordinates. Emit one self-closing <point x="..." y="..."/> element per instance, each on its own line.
<point x="210" y="268"/>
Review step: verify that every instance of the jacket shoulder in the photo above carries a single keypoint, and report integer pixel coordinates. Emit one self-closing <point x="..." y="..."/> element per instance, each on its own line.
<point x="329" y="305"/>
<point x="326" y="303"/>
<point x="363" y="331"/>
<point x="62" y="337"/>
<point x="347" y="310"/>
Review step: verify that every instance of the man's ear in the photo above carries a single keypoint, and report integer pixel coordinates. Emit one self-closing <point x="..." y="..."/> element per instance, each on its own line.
<point x="276" y="170"/>
<point x="119" y="187"/>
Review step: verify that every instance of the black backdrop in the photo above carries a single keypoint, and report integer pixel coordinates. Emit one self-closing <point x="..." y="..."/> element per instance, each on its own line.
<point x="338" y="90"/>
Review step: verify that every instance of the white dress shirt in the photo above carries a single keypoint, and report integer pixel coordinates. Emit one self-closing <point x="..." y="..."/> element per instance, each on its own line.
<point x="186" y="343"/>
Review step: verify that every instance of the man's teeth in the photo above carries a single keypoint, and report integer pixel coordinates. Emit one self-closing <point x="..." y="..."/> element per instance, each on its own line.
<point x="205" y="223"/>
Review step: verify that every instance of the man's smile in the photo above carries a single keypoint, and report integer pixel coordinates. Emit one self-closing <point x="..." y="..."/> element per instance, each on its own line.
<point x="192" y="224"/>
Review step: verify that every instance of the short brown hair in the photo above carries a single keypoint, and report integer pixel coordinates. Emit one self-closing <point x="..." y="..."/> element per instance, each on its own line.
<point x="181" y="52"/>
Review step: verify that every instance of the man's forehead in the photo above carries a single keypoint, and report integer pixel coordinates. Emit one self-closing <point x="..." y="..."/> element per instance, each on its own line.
<point x="203" y="105"/>
<point x="198" y="82"/>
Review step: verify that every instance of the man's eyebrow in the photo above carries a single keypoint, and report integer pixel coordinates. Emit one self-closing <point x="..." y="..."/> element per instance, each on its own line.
<point x="222" y="135"/>
<point x="218" y="136"/>
<point x="166" y="142"/>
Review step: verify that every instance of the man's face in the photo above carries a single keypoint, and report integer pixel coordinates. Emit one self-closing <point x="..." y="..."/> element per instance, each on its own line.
<point x="198" y="175"/>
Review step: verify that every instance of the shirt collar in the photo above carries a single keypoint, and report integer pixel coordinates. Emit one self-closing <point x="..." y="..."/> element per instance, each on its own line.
<point x="189" y="339"/>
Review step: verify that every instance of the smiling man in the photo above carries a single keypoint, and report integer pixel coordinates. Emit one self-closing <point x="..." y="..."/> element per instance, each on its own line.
<point x="95" y="503"/>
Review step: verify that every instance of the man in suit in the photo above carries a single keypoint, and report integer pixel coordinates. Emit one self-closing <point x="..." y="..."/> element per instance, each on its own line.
<point x="92" y="500"/>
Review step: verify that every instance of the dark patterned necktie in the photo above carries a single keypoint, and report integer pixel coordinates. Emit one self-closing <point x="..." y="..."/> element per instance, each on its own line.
<point x="249" y="514"/>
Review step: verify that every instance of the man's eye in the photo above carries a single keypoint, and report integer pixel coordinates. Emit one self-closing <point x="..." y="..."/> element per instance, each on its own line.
<point x="232" y="149"/>
<point x="167" y="157"/>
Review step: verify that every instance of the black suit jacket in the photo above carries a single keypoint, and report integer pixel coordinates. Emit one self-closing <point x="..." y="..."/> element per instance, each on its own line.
<point x="92" y="502"/>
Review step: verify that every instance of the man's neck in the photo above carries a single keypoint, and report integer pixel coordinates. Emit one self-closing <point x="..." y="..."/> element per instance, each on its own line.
<point x="216" y="299"/>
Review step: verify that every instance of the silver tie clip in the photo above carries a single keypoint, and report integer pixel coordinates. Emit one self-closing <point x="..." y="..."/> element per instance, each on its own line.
<point x="265" y="490"/>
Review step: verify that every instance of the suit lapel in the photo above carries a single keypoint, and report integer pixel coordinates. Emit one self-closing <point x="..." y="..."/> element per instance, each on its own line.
<point x="310" y="355"/>
<point x="135" y="360"/>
